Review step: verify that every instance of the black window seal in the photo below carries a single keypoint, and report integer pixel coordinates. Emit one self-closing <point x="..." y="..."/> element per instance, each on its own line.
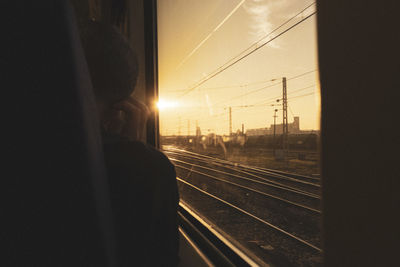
<point x="220" y="252"/>
<point x="151" y="69"/>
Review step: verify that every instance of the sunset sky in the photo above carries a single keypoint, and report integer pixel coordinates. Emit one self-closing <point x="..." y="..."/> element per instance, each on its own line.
<point x="197" y="38"/>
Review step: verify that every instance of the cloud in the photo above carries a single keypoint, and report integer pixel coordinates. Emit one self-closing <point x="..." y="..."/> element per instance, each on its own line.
<point x="260" y="24"/>
<point x="261" y="20"/>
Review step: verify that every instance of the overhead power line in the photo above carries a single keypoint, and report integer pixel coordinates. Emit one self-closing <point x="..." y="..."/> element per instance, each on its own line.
<point x="300" y="96"/>
<point x="265" y="87"/>
<point x="228" y="64"/>
<point x="237" y="85"/>
<point x="280" y="97"/>
<point x="269" y="100"/>
<point x="263" y="103"/>
<point x="222" y="86"/>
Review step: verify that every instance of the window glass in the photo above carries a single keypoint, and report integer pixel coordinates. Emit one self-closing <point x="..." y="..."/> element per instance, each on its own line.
<point x="239" y="109"/>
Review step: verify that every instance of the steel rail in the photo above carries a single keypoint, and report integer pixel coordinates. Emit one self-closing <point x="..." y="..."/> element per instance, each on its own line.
<point x="254" y="190"/>
<point x="265" y="177"/>
<point x="254" y="217"/>
<point x="278" y="172"/>
<point x="271" y="183"/>
<point x="275" y="175"/>
<point x="259" y="169"/>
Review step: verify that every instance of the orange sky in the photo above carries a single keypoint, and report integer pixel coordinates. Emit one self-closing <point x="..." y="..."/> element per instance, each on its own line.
<point x="197" y="37"/>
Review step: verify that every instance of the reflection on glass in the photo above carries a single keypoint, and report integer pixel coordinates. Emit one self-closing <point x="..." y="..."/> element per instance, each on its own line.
<point x="239" y="117"/>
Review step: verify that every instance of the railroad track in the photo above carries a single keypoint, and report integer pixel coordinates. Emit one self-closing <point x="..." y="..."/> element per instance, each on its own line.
<point x="287" y="195"/>
<point x="282" y="240"/>
<point x="281" y="207"/>
<point x="259" y="170"/>
<point x="287" y="203"/>
<point x="303" y="185"/>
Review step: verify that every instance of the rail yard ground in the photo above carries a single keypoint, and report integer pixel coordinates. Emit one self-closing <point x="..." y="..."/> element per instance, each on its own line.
<point x="274" y="218"/>
<point x="299" y="162"/>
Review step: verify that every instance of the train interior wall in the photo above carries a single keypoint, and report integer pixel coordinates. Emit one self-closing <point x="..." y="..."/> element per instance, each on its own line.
<point x="359" y="64"/>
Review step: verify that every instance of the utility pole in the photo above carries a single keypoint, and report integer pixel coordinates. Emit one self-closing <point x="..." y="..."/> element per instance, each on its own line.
<point x="198" y="132"/>
<point x="198" y="136"/>
<point x="230" y="121"/>
<point x="179" y="127"/>
<point x="242" y="128"/>
<point x="285" y="125"/>
<point x="274" y="142"/>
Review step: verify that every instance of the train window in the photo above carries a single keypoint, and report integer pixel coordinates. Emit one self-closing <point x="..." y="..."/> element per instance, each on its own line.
<point x="239" y="110"/>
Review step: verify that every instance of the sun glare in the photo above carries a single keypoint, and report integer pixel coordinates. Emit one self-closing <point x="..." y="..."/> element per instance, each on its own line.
<point x="166" y="104"/>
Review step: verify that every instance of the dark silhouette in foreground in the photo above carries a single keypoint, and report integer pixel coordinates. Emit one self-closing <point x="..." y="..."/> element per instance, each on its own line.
<point x="144" y="194"/>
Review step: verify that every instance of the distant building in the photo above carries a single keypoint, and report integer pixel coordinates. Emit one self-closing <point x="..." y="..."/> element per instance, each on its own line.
<point x="198" y="131"/>
<point x="294" y="128"/>
<point x="259" y="131"/>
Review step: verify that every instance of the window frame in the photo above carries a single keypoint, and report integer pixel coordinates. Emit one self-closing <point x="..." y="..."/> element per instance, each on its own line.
<point x="151" y="69"/>
<point x="219" y="250"/>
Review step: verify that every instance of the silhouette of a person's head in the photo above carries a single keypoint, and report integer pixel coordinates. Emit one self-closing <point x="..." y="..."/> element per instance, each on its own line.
<point x="112" y="63"/>
<point x="113" y="69"/>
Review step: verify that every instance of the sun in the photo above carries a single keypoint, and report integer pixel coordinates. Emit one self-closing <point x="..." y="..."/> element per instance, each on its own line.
<point x="166" y="104"/>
